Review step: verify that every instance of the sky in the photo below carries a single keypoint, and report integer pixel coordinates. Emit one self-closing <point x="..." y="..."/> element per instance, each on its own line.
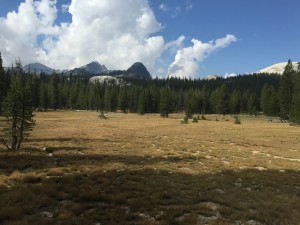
<point x="175" y="38"/>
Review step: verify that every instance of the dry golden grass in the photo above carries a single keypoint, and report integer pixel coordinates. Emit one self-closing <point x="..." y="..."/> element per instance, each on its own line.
<point x="132" y="169"/>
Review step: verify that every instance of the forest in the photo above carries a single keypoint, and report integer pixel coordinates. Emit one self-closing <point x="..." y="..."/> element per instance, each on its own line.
<point x="268" y="94"/>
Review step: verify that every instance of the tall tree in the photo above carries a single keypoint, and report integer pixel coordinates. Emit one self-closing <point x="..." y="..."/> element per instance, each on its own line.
<point x="142" y="103"/>
<point x="165" y="106"/>
<point x="295" y="108"/>
<point x="2" y="82"/>
<point x="17" y="108"/>
<point x="286" y="90"/>
<point x="269" y="101"/>
<point x="53" y="91"/>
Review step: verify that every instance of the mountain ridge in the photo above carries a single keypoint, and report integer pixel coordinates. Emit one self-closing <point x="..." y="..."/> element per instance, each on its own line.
<point x="277" y="68"/>
<point x="94" y="68"/>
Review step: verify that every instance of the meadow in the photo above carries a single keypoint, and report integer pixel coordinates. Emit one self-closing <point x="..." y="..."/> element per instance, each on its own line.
<point x="133" y="169"/>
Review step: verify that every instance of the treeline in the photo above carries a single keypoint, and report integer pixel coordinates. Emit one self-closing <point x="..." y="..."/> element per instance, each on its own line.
<point x="271" y="94"/>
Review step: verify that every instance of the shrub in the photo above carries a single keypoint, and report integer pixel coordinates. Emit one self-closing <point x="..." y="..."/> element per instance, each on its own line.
<point x="203" y="117"/>
<point x="237" y="120"/>
<point x="102" y="116"/>
<point x="185" y="120"/>
<point x="195" y="120"/>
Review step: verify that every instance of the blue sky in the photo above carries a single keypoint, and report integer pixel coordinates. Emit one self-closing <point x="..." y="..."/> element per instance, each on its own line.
<point x="252" y="34"/>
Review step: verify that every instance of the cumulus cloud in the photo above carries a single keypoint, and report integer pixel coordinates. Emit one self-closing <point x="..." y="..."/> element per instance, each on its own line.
<point x="186" y="62"/>
<point x="114" y="32"/>
<point x="20" y="31"/>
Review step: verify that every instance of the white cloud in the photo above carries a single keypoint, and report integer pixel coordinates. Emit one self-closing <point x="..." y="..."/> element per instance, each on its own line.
<point x="163" y="7"/>
<point x="20" y="30"/>
<point x="175" y="11"/>
<point x="116" y="33"/>
<point x="65" y="8"/>
<point x="186" y="63"/>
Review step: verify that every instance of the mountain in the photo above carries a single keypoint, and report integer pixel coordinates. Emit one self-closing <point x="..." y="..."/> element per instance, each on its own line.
<point x="38" y="68"/>
<point x="211" y="77"/>
<point x="138" y="70"/>
<point x="93" y="68"/>
<point x="277" y="68"/>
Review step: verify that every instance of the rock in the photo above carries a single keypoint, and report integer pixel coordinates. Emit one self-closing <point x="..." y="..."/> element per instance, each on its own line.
<point x="219" y="191"/>
<point x="248" y="189"/>
<point x="46" y="214"/>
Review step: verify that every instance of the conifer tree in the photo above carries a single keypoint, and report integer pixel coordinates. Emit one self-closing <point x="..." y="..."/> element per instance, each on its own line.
<point x="142" y="103"/>
<point x="165" y="106"/>
<point x="234" y="102"/>
<point x="17" y="109"/>
<point x="269" y="101"/>
<point x="43" y="100"/>
<point x="53" y="91"/>
<point x="2" y="82"/>
<point x="286" y="90"/>
<point x="295" y="107"/>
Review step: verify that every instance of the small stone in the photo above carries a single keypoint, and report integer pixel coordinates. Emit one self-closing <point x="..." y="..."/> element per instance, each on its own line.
<point x="248" y="189"/>
<point x="46" y="214"/>
<point x="219" y="191"/>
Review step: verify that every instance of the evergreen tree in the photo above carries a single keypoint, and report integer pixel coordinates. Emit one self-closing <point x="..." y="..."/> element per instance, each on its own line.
<point x="269" y="101"/>
<point x="286" y="90"/>
<point x="234" y="102"/>
<point x="190" y="104"/>
<point x="142" y="103"/>
<point x="2" y="82"/>
<point x="295" y="108"/>
<point x="165" y="106"/>
<point x="204" y="100"/>
<point x="122" y="100"/>
<point x="44" y="100"/>
<point x="17" y="108"/>
<point x="53" y="91"/>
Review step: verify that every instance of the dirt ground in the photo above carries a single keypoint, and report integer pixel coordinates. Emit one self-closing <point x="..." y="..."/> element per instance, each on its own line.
<point x="133" y="169"/>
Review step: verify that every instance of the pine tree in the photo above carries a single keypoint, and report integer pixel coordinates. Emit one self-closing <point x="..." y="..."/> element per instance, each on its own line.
<point x="142" y="103"/>
<point x="17" y="108"/>
<point x="44" y="100"/>
<point x="122" y="100"/>
<point x="269" y="101"/>
<point x="295" y="107"/>
<point x="2" y="82"/>
<point x="234" y="102"/>
<point x="286" y="90"/>
<point x="190" y="104"/>
<point x="165" y="105"/>
<point x="53" y="90"/>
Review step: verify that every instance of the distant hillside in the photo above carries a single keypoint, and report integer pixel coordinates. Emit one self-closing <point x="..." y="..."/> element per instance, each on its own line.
<point x="38" y="68"/>
<point x="93" y="68"/>
<point x="138" y="70"/>
<point x="277" y="68"/>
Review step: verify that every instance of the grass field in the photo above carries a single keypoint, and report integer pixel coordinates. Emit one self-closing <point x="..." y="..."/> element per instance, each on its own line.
<point x="131" y="169"/>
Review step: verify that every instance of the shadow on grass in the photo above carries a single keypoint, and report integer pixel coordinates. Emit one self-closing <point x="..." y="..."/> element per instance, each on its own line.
<point x="32" y="159"/>
<point x="148" y="196"/>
